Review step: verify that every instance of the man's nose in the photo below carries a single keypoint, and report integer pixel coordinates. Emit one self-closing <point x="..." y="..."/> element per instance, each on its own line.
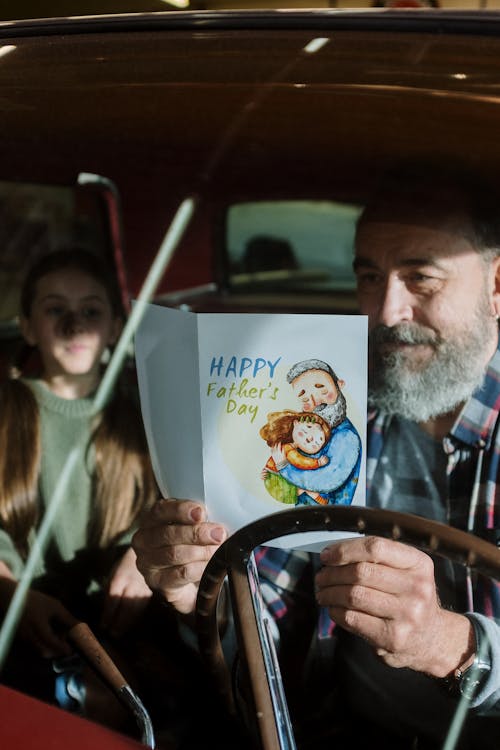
<point x="396" y="303"/>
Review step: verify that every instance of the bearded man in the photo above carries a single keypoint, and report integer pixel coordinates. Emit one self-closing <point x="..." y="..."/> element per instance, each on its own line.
<point x="318" y="390"/>
<point x="411" y="635"/>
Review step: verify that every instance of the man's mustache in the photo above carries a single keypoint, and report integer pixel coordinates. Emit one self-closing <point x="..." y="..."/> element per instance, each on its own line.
<point x="403" y="333"/>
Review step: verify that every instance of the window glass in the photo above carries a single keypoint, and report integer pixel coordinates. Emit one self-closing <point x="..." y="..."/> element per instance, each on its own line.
<point x="36" y="219"/>
<point x="310" y="240"/>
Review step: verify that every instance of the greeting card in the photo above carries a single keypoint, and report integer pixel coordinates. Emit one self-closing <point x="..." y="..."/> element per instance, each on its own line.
<point x="255" y="413"/>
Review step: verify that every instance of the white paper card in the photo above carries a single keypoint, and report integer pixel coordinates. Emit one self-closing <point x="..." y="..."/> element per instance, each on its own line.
<point x="208" y="384"/>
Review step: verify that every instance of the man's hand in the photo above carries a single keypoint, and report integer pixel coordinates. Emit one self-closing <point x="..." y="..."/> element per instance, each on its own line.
<point x="173" y="547"/>
<point x="384" y="591"/>
<point x="126" y="596"/>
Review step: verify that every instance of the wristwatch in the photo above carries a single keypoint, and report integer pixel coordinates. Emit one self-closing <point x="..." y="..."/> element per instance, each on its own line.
<point x="466" y="682"/>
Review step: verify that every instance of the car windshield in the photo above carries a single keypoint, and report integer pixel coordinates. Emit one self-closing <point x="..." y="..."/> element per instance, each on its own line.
<point x="218" y="165"/>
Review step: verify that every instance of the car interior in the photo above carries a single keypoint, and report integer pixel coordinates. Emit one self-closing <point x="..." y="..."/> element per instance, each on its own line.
<point x="219" y="161"/>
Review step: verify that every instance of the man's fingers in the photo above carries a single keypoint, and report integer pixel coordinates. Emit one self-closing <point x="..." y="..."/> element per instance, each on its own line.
<point x="367" y="574"/>
<point x="176" y="566"/>
<point x="178" y="555"/>
<point x="359" y="598"/>
<point x="371" y="628"/>
<point x="180" y="575"/>
<point x="174" y="511"/>
<point x="179" y="585"/>
<point x="393" y="639"/>
<point x="167" y="536"/>
<point x="372" y="549"/>
<point x="173" y="547"/>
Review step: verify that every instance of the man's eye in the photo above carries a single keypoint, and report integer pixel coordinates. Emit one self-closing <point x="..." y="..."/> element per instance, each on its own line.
<point x="419" y="277"/>
<point x="368" y="279"/>
<point x="422" y="282"/>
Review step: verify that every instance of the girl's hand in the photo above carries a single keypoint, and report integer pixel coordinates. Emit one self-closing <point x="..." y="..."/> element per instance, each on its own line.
<point x="44" y="619"/>
<point x="43" y="624"/>
<point x="126" y="597"/>
<point x="279" y="455"/>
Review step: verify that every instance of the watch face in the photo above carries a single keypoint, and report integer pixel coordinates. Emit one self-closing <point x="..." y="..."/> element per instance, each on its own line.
<point x="472" y="680"/>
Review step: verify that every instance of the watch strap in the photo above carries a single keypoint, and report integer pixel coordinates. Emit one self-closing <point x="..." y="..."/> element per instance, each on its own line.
<point x="466" y="681"/>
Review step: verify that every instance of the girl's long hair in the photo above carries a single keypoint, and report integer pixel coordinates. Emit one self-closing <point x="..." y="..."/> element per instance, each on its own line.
<point x="124" y="479"/>
<point x="124" y="483"/>
<point x="20" y="454"/>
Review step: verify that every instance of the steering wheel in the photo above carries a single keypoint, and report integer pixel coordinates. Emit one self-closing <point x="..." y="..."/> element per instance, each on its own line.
<point x="233" y="560"/>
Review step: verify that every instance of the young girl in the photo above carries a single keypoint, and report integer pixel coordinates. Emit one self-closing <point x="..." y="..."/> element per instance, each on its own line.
<point x="294" y="438"/>
<point x="71" y="313"/>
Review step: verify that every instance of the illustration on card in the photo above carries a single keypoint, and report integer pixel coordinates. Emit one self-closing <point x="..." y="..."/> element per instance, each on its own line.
<point x="315" y="454"/>
<point x="272" y="409"/>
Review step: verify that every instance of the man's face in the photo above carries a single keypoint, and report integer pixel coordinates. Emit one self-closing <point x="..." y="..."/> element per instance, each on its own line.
<point x="429" y="297"/>
<point x="313" y="388"/>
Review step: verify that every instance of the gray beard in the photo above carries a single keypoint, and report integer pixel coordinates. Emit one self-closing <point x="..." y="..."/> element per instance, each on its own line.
<point x="334" y="413"/>
<point x="455" y="370"/>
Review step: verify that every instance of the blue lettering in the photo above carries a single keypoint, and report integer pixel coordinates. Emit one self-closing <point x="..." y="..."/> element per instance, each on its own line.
<point x="246" y="362"/>
<point x="216" y="365"/>
<point x="236" y="368"/>
<point x="272" y="366"/>
<point x="231" y="368"/>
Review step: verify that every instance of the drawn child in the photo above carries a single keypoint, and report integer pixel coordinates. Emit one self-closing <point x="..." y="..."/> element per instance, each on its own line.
<point x="71" y="313"/>
<point x="319" y="391"/>
<point x="294" y="438"/>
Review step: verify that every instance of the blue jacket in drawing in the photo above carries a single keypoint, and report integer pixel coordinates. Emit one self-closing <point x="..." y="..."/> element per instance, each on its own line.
<point x="337" y="481"/>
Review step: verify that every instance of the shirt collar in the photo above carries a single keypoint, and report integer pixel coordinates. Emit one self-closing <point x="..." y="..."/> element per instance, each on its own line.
<point x="476" y="421"/>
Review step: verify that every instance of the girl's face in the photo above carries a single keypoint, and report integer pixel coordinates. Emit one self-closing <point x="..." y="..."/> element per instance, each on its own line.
<point x="71" y="323"/>
<point x="308" y="436"/>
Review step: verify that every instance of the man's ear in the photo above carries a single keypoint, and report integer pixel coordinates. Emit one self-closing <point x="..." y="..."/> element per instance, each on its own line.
<point x="341" y="383"/>
<point x="496" y="287"/>
<point x="26" y="331"/>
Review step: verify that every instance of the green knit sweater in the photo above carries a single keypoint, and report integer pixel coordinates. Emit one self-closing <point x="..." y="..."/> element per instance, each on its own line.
<point x="70" y="566"/>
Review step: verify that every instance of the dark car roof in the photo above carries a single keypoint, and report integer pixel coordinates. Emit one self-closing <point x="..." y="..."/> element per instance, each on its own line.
<point x="175" y="93"/>
<point x="236" y="103"/>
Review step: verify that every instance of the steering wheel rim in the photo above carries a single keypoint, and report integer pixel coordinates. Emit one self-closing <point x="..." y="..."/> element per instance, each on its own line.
<point x="231" y="560"/>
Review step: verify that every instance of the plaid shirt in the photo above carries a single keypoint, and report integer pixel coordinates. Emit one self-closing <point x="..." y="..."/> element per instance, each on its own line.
<point x="473" y="449"/>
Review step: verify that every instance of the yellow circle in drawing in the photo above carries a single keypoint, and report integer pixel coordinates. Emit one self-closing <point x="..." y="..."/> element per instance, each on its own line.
<point x="243" y="410"/>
